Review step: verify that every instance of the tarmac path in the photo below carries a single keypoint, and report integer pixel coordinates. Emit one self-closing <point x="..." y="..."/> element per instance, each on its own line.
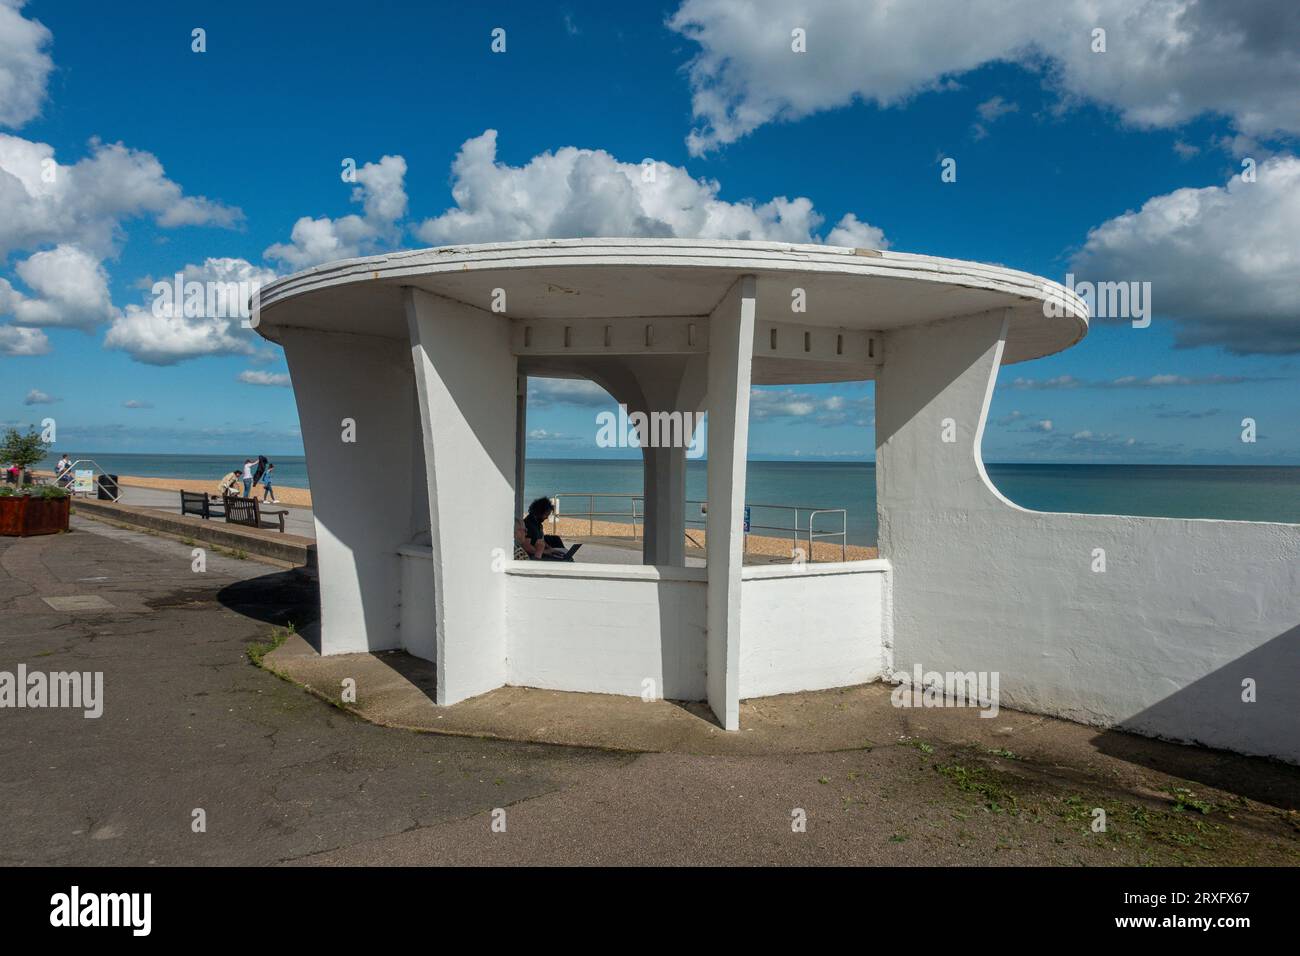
<point x="190" y="725"/>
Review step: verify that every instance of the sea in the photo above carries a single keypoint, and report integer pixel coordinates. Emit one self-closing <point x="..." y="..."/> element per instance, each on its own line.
<point x="775" y="490"/>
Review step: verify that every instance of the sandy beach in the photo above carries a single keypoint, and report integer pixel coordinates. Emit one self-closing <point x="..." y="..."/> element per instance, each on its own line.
<point x="286" y="495"/>
<point x="578" y="528"/>
<point x="298" y="497"/>
<point x="575" y="528"/>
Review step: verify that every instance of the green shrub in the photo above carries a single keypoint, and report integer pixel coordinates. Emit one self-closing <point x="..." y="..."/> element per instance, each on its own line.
<point x="23" y="450"/>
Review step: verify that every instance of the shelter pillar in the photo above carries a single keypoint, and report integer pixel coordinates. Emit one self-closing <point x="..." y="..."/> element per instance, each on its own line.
<point x="730" y="357"/>
<point x="673" y="397"/>
<point x="942" y="525"/>
<point x="521" y="441"/>
<point x="932" y="397"/>
<point x="356" y="406"/>
<point x="466" y="375"/>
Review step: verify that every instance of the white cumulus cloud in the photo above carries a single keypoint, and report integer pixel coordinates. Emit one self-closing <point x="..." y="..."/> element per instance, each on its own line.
<point x="156" y="334"/>
<point x="257" y="377"/>
<point x="1222" y="260"/>
<point x="574" y="192"/>
<point x="24" y="64"/>
<point x="168" y="339"/>
<point x="17" y="341"/>
<point x="381" y="190"/>
<point x="69" y="288"/>
<point x="1165" y="62"/>
<point x="85" y="203"/>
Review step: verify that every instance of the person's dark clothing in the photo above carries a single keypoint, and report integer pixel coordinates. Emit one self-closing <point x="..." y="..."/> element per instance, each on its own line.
<point x="533" y="532"/>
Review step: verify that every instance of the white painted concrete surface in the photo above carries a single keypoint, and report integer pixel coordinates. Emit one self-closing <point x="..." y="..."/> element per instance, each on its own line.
<point x="813" y="628"/>
<point x="1160" y="643"/>
<point x="1187" y="619"/>
<point x="364" y="500"/>
<point x="417" y="628"/>
<point x="607" y="629"/>
<point x="465" y="377"/>
<point x="731" y="345"/>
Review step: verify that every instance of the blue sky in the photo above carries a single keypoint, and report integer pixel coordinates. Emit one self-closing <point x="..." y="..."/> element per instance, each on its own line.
<point x="1066" y="161"/>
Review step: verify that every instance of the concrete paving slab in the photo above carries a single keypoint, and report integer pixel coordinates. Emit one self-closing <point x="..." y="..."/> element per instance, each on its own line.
<point x="79" y="602"/>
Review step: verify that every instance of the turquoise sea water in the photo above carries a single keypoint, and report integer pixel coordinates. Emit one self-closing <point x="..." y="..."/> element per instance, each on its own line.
<point x="1174" y="491"/>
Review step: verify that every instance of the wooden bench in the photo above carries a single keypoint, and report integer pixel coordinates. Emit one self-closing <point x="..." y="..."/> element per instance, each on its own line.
<point x="249" y="511"/>
<point x="198" y="503"/>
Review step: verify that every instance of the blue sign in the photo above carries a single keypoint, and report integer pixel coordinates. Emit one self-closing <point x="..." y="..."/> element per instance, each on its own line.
<point x="746" y="519"/>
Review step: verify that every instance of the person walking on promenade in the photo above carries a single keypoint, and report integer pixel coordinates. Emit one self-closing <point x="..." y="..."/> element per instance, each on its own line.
<point x="268" y="492"/>
<point x="248" y="477"/>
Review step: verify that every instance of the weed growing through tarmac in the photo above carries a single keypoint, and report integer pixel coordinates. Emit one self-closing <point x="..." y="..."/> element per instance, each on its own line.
<point x="1184" y="799"/>
<point x="1193" y="827"/>
<point x="978" y="780"/>
<point x="258" y="650"/>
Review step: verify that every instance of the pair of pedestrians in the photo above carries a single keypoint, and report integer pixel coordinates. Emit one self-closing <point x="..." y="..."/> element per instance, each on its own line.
<point x="259" y="470"/>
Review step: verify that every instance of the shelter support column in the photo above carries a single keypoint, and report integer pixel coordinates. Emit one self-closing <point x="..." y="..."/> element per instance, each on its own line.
<point x="730" y="357"/>
<point x="940" y="521"/>
<point x="521" y="441"/>
<point x="356" y="407"/>
<point x="932" y="395"/>
<point x="465" y="376"/>
<point x="673" y="398"/>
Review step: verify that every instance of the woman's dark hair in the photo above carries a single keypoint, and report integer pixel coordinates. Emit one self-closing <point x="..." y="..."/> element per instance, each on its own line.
<point x="540" y="508"/>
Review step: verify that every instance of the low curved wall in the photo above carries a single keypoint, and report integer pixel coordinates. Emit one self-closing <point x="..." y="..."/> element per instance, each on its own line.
<point x="1190" y="630"/>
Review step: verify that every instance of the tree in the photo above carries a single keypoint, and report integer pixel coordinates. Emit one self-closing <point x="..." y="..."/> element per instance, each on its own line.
<point x="23" y="450"/>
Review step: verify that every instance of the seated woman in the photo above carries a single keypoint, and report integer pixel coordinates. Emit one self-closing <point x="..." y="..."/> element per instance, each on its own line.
<point x="535" y="543"/>
<point x="231" y="485"/>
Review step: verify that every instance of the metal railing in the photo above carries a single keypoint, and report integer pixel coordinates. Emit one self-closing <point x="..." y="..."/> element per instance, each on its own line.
<point x="634" y="516"/>
<point x="70" y="472"/>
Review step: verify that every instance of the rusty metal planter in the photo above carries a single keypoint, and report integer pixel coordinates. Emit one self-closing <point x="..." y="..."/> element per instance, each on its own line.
<point x="26" y="515"/>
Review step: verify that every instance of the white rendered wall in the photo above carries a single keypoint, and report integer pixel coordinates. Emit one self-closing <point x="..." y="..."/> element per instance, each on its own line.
<point x="418" y="629"/>
<point x="811" y="629"/>
<point x="606" y="629"/>
<point x="465" y="376"/>
<point x="363" y="497"/>
<point x="1159" y="643"/>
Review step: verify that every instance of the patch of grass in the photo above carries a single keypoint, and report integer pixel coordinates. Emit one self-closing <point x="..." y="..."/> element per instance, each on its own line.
<point x="258" y="650"/>
<point x="922" y="746"/>
<point x="1003" y="752"/>
<point x="1142" y="826"/>
<point x="1184" y="799"/>
<point x="979" y="781"/>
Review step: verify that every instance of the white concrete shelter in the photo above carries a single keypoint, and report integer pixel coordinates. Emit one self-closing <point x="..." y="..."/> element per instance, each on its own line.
<point x="421" y="359"/>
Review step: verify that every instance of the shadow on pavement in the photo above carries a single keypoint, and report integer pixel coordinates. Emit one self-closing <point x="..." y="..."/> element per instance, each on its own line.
<point x="280" y="598"/>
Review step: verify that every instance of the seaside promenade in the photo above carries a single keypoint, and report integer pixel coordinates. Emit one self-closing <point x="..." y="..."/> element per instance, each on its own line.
<point x="604" y="542"/>
<point x="299" y="521"/>
<point x="282" y="776"/>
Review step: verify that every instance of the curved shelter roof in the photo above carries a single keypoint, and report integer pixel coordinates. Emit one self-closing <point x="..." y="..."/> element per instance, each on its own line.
<point x="630" y="280"/>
